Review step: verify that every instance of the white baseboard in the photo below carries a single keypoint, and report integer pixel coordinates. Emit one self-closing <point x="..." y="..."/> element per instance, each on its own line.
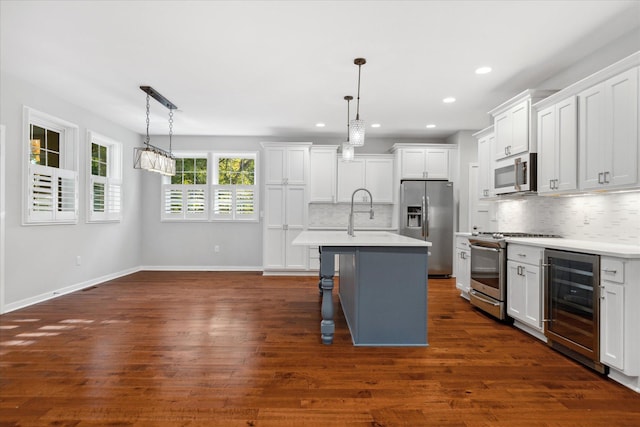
<point x="66" y="290"/>
<point x="199" y="268"/>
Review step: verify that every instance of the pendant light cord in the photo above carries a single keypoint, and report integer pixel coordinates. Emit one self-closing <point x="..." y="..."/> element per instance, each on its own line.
<point x="170" y="128"/>
<point x="358" y="107"/>
<point x="348" y="100"/>
<point x="148" y="139"/>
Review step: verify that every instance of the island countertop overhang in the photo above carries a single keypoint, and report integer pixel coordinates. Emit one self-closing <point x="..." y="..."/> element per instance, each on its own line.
<point x="361" y="238"/>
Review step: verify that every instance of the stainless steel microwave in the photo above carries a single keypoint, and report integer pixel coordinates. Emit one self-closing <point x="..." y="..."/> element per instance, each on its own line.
<point x="516" y="174"/>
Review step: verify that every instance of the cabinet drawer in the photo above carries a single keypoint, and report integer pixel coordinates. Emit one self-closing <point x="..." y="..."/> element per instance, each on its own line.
<point x="523" y="253"/>
<point x="612" y="270"/>
<point x="462" y="242"/>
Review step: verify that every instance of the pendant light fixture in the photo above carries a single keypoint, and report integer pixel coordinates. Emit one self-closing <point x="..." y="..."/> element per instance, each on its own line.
<point x="357" y="126"/>
<point x="150" y="157"/>
<point x="347" y="148"/>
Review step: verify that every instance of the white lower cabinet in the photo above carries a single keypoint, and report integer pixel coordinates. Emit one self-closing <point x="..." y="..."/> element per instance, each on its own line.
<point x="525" y="288"/>
<point x="285" y="218"/>
<point x="463" y="266"/>
<point x="620" y="317"/>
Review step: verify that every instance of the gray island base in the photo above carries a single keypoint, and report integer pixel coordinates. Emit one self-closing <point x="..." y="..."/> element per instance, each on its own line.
<point x="382" y="286"/>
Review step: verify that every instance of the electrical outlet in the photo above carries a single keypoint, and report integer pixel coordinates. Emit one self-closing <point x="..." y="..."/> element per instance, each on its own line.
<point x="216" y="248"/>
<point x="586" y="219"/>
<point x="78" y="260"/>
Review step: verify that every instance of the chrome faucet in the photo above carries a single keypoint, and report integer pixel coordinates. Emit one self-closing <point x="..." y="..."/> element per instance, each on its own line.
<point x="370" y="211"/>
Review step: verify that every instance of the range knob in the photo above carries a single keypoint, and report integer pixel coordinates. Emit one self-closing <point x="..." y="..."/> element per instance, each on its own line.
<point x="497" y="235"/>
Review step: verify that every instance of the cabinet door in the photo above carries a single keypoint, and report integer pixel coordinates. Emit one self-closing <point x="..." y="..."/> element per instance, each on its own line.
<point x="485" y="161"/>
<point x="620" y="147"/>
<point x="437" y="163"/>
<point x="566" y="162"/>
<point x="590" y="134"/>
<point x="503" y="135"/>
<point x="275" y="165"/>
<point x="519" y="129"/>
<point x="379" y="179"/>
<point x="322" y="176"/>
<point x="274" y="218"/>
<point x="463" y="272"/>
<point x="516" y="291"/>
<point x="547" y="150"/>
<point x="413" y="163"/>
<point x="533" y="296"/>
<point x="351" y="175"/>
<point x="296" y="165"/>
<point x="612" y="325"/>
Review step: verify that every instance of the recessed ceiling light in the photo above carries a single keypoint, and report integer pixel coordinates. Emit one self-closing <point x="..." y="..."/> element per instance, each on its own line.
<point x="483" y="70"/>
<point x="320" y="125"/>
<point x="431" y="126"/>
<point x="449" y="100"/>
<point x="375" y="125"/>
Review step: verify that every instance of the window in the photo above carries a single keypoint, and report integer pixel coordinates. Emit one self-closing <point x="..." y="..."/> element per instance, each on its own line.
<point x="212" y="186"/>
<point x="51" y="184"/>
<point x="105" y="178"/>
<point x="185" y="195"/>
<point x="235" y="192"/>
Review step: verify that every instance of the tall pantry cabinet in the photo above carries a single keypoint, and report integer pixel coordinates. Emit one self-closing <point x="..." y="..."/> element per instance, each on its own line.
<point x="286" y="168"/>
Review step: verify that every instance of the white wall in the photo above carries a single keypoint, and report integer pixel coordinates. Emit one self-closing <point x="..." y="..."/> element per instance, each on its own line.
<point x="41" y="260"/>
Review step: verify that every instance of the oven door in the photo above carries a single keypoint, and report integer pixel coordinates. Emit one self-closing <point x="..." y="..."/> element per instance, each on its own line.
<point x="488" y="271"/>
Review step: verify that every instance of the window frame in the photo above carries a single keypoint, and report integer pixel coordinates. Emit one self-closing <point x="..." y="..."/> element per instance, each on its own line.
<point x="112" y="182"/>
<point x="235" y="189"/>
<point x="65" y="175"/>
<point x="181" y="193"/>
<point x="208" y="190"/>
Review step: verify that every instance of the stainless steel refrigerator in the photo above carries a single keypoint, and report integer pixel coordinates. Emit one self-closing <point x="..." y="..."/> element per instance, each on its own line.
<point x="426" y="212"/>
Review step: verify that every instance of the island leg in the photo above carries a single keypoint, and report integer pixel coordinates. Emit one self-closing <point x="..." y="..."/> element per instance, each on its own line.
<point x="327" y="271"/>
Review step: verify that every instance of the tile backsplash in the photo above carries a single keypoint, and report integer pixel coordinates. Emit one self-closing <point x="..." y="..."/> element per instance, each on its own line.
<point x="337" y="215"/>
<point x="610" y="217"/>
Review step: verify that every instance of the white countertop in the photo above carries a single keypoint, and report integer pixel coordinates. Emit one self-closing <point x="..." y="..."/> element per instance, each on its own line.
<point x="598" y="248"/>
<point x="361" y="238"/>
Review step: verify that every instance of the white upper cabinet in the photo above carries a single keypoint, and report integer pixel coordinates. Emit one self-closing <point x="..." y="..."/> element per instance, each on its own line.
<point x="323" y="173"/>
<point x="375" y="173"/>
<point x="514" y="125"/>
<point x="512" y="131"/>
<point x="558" y="147"/>
<point x="424" y="163"/>
<point x="608" y="133"/>
<point x="286" y="164"/>
<point x="486" y="139"/>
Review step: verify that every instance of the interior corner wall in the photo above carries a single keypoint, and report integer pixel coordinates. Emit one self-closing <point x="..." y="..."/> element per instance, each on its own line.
<point x="467" y="153"/>
<point x="41" y="260"/>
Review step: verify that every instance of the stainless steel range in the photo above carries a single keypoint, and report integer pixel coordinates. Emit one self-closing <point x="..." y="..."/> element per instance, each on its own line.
<point x="489" y="270"/>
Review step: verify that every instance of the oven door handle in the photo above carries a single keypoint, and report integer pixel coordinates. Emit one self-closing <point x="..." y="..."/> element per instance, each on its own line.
<point x="477" y="295"/>
<point x="483" y="248"/>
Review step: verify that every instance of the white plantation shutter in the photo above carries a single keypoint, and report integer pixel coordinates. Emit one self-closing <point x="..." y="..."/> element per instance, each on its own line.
<point x="53" y="195"/>
<point x="105" y="199"/>
<point x="181" y="202"/>
<point x="222" y="202"/>
<point x="234" y="202"/>
<point x="245" y="204"/>
<point x="114" y="199"/>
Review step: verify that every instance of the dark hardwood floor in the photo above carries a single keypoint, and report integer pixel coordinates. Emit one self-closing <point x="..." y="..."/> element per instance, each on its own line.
<point x="240" y="349"/>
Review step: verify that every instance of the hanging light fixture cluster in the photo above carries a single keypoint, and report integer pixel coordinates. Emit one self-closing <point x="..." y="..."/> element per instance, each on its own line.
<point x="150" y="157"/>
<point x="356" y="127"/>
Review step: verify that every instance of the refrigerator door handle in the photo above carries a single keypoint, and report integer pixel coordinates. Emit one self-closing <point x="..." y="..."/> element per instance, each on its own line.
<point x="423" y="216"/>
<point x="427" y="214"/>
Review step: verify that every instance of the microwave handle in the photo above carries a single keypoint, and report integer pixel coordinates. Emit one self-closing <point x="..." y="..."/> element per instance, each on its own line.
<point x="516" y="170"/>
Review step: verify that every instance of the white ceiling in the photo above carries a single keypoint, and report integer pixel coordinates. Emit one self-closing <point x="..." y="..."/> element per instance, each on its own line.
<point x="275" y="68"/>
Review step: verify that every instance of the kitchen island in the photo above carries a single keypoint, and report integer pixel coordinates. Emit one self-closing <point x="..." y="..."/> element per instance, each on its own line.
<point x="383" y="285"/>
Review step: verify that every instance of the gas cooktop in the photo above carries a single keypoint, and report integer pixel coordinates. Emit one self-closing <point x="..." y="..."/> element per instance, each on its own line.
<point x="503" y="234"/>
